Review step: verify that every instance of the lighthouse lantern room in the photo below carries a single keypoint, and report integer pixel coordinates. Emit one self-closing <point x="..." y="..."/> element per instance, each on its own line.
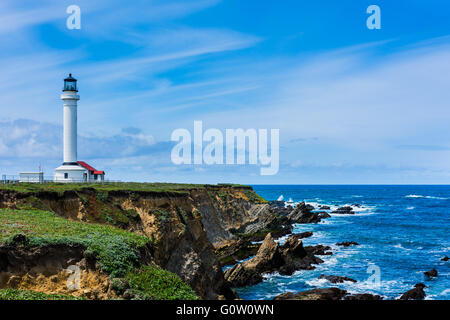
<point x="71" y="169"/>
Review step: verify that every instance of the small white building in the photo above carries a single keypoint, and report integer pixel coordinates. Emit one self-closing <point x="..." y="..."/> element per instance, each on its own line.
<point x="71" y="169"/>
<point x="31" y="177"/>
<point x="81" y="172"/>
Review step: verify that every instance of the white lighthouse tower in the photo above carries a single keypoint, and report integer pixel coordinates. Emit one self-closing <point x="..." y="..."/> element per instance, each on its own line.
<point x="73" y="170"/>
<point x="70" y="98"/>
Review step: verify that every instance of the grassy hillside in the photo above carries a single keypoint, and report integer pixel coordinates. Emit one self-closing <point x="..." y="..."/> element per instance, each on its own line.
<point x="116" y="250"/>
<point x="105" y="187"/>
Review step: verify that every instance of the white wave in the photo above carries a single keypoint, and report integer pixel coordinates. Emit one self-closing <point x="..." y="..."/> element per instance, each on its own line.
<point x="399" y="246"/>
<point x="372" y="286"/>
<point x="280" y="198"/>
<point x="317" y="282"/>
<point x="426" y="197"/>
<point x="329" y="262"/>
<point x="410" y="208"/>
<point x="437" y="198"/>
<point x="445" y="292"/>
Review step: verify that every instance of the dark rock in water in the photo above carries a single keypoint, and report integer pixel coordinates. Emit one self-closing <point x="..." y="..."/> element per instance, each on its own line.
<point x="445" y="258"/>
<point x="310" y="207"/>
<point x="431" y="273"/>
<point x="302" y="214"/>
<point x="303" y="235"/>
<point x="363" y="296"/>
<point x="296" y="257"/>
<point x="324" y="207"/>
<point x="344" y="210"/>
<point x="229" y="252"/>
<point x="357" y="205"/>
<point x="417" y="293"/>
<point x="347" y="244"/>
<point x="294" y="247"/>
<point x="319" y="250"/>
<point x="315" y="294"/>
<point x="336" y="279"/>
<point x="323" y="215"/>
<point x="267" y="259"/>
<point x="271" y="257"/>
<point x="280" y="207"/>
<point x="240" y="276"/>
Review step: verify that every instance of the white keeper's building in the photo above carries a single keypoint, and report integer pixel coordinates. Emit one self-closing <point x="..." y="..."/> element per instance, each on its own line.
<point x="73" y="170"/>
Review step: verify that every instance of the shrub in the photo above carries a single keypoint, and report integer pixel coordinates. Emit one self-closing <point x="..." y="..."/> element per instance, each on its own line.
<point x="154" y="283"/>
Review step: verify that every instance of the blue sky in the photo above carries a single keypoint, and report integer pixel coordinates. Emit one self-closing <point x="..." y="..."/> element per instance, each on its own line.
<point x="353" y="105"/>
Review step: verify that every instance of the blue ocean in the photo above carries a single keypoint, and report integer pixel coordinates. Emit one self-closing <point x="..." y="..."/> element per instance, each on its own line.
<point x="402" y="231"/>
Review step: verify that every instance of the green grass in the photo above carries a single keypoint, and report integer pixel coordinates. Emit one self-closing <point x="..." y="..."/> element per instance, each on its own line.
<point x="181" y="188"/>
<point x="115" y="249"/>
<point x="105" y="187"/>
<point x="13" y="294"/>
<point x="254" y="197"/>
<point x="153" y="283"/>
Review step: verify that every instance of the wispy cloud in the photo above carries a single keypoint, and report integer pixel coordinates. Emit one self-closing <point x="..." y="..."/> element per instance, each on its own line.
<point x="424" y="147"/>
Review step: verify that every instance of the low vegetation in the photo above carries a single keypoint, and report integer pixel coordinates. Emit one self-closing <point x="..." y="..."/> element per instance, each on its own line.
<point x="116" y="250"/>
<point x="254" y="197"/>
<point x="14" y="294"/>
<point x="107" y="186"/>
<point x="154" y="283"/>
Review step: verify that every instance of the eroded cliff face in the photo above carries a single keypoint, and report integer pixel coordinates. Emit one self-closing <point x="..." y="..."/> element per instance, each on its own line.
<point x="45" y="269"/>
<point x="187" y="227"/>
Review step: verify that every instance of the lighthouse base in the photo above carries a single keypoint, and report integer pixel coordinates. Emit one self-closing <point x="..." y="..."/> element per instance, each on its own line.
<point x="70" y="173"/>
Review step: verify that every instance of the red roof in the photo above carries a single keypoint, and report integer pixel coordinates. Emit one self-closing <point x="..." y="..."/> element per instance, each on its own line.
<point x="88" y="167"/>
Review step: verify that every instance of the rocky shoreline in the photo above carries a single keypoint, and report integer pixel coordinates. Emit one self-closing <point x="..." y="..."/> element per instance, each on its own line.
<point x="293" y="255"/>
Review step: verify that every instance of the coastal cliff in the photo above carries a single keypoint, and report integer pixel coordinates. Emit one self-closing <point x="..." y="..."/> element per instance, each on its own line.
<point x="188" y="227"/>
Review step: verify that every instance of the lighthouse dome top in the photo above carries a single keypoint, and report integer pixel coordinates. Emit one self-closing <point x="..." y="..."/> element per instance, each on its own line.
<point x="70" y="83"/>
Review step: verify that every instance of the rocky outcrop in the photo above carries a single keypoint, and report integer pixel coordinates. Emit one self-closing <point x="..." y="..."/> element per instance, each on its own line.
<point x="347" y="244"/>
<point x="344" y="210"/>
<point x="230" y="252"/>
<point x="271" y="257"/>
<point x="315" y="294"/>
<point x="267" y="259"/>
<point x="319" y="250"/>
<point x="431" y="274"/>
<point x="280" y="207"/>
<point x="417" y="293"/>
<point x="445" y="258"/>
<point x="302" y="213"/>
<point x="336" y="279"/>
<point x="331" y="294"/>
<point x="303" y="235"/>
<point x="363" y="296"/>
